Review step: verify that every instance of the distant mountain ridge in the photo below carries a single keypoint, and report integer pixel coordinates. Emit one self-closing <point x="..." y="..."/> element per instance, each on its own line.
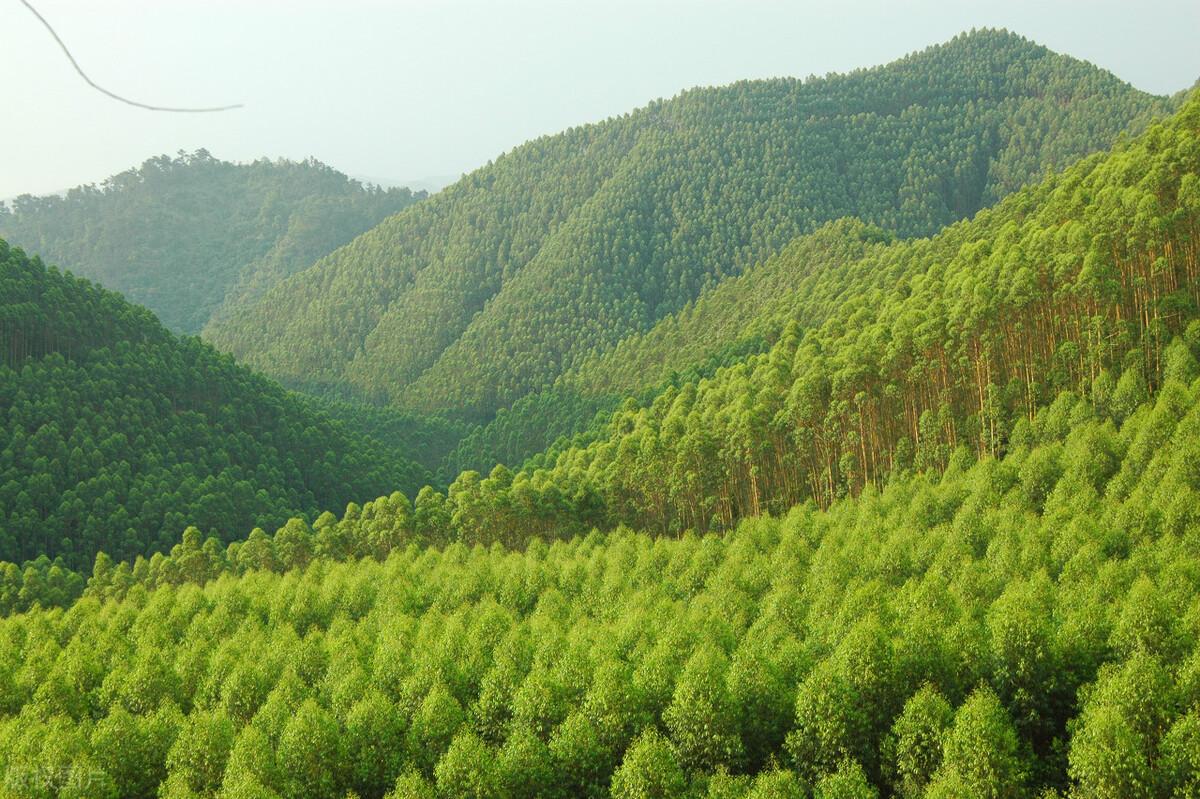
<point x="568" y="244"/>
<point x="192" y="237"/>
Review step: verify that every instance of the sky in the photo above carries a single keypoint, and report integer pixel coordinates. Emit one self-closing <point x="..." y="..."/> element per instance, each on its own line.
<point x="407" y="90"/>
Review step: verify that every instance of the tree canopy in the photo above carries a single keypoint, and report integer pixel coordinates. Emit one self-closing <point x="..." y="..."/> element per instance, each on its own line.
<point x="963" y="633"/>
<point x="116" y="434"/>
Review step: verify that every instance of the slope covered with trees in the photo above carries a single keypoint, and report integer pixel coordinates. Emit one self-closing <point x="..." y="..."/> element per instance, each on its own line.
<point x="1004" y="606"/>
<point x="1015" y="627"/>
<point x="740" y="316"/>
<point x="1088" y="282"/>
<point x="115" y="434"/>
<point x="191" y="237"/>
<point x="803" y="283"/>
<point x="566" y="245"/>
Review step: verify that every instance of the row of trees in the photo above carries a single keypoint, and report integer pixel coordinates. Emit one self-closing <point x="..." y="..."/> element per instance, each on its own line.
<point x="570" y="243"/>
<point x="1024" y="626"/>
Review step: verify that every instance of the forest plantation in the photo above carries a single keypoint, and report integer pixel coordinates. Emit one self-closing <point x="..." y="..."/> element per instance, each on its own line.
<point x="834" y="438"/>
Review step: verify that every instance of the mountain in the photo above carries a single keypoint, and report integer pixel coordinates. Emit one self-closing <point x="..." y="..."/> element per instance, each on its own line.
<point x="115" y="434"/>
<point x="193" y="237"/>
<point x="934" y="534"/>
<point x="570" y="243"/>
<point x="1087" y="283"/>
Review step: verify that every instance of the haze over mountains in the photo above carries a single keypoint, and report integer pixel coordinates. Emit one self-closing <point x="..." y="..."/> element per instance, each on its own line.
<point x="852" y="431"/>
<point x="191" y="237"/>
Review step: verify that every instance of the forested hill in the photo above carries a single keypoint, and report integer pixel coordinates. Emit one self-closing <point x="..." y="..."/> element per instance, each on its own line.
<point x="115" y="434"/>
<point x="193" y="236"/>
<point x="1088" y="282"/>
<point x="989" y="587"/>
<point x="571" y="242"/>
<point x="740" y="316"/>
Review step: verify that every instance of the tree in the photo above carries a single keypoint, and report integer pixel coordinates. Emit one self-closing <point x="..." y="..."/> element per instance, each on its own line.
<point x="702" y="719"/>
<point x="582" y="761"/>
<point x="196" y="760"/>
<point x="981" y="756"/>
<point x="524" y="765"/>
<point x="434" y="727"/>
<point x="1180" y="750"/>
<point x="1115" y="746"/>
<point x="373" y="742"/>
<point x="848" y="782"/>
<point x="293" y="544"/>
<point x="133" y="750"/>
<point x="310" y="753"/>
<point x="830" y="725"/>
<point x="412" y="785"/>
<point x="916" y="741"/>
<point x="466" y="770"/>
<point x="777" y="785"/>
<point x="650" y="770"/>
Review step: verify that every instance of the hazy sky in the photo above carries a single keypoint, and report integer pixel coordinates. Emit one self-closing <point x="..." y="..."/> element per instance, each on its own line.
<point x="415" y="88"/>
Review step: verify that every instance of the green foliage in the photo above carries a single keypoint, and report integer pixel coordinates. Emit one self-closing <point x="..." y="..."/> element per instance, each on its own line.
<point x="948" y="356"/>
<point x="650" y="770"/>
<point x="310" y="754"/>
<point x="980" y="756"/>
<point x="117" y="435"/>
<point x="196" y="761"/>
<point x="792" y="656"/>
<point x="848" y="782"/>
<point x="429" y="441"/>
<point x="374" y="743"/>
<point x="193" y="237"/>
<point x="916" y="742"/>
<point x="566" y="245"/>
<point x="701" y="718"/>
<point x="1115" y="748"/>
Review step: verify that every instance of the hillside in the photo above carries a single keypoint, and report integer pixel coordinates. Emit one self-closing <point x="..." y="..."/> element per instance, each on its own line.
<point x="739" y="316"/>
<point x="1016" y="627"/>
<point x="115" y="434"/>
<point x="939" y="538"/>
<point x="803" y="283"/>
<point x="570" y="243"/>
<point x="193" y="237"/>
<point x="1088" y="282"/>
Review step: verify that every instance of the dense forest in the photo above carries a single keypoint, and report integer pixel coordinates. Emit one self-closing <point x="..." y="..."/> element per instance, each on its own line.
<point x="467" y="302"/>
<point x="1021" y="626"/>
<point x="859" y="514"/>
<point x="1087" y="282"/>
<point x="741" y="315"/>
<point x="115" y="434"/>
<point x="193" y="237"/>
